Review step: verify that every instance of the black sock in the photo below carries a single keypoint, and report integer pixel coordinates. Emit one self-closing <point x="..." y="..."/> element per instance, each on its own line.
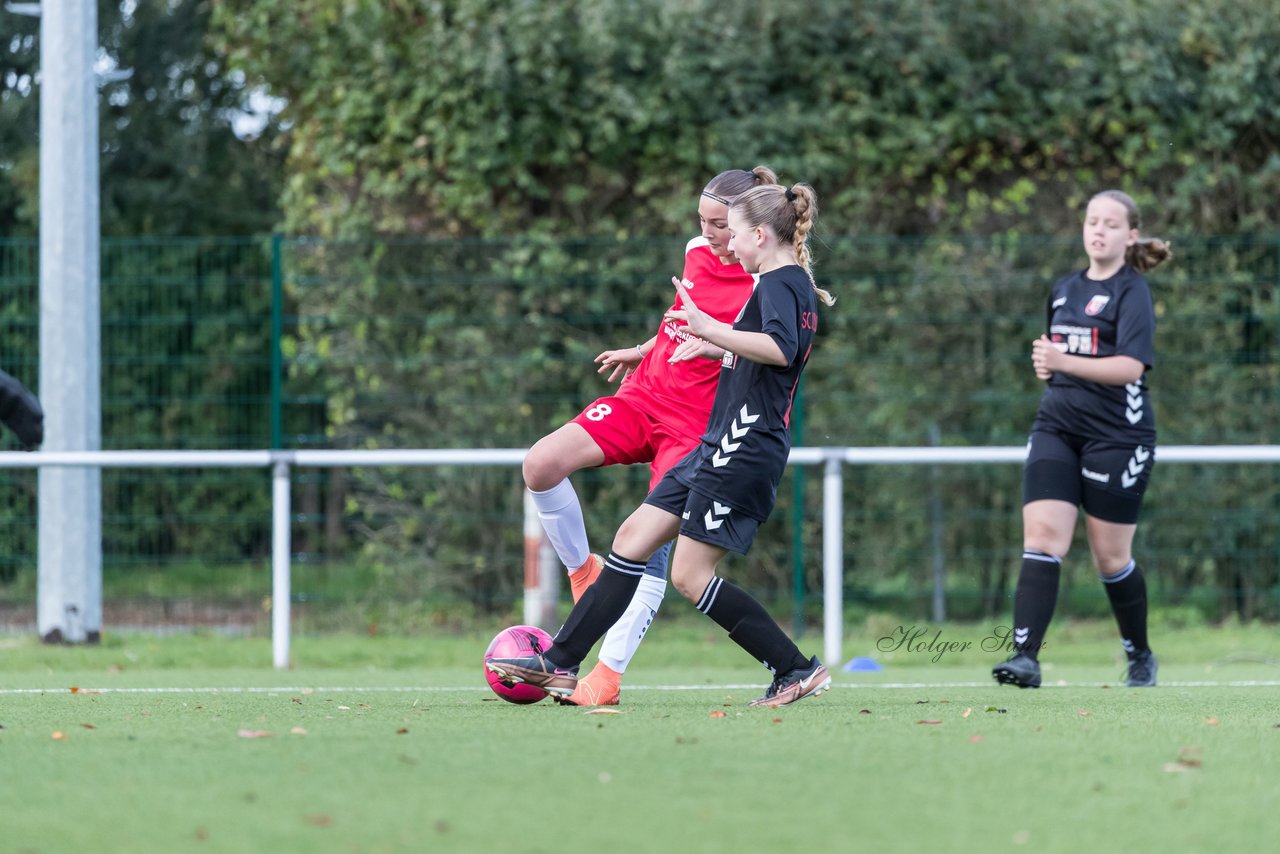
<point x="1034" y="600"/>
<point x="750" y="626"/>
<point x="601" y="605"/>
<point x="1128" y="594"/>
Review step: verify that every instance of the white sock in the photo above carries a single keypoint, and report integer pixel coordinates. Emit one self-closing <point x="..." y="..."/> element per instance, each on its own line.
<point x="561" y="516"/>
<point x="623" y="639"/>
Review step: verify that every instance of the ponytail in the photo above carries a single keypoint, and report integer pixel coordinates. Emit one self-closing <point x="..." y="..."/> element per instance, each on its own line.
<point x="1149" y="252"/>
<point x="790" y="212"/>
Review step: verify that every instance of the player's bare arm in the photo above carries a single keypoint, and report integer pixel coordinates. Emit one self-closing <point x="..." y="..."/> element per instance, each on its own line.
<point x="756" y="346"/>
<point x="1048" y="358"/>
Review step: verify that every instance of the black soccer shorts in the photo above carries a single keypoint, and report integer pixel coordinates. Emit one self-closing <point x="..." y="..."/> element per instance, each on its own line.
<point x="1106" y="478"/>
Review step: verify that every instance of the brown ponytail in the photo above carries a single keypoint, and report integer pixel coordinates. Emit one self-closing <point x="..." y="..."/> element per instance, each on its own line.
<point x="790" y="212"/>
<point x="1149" y="252"/>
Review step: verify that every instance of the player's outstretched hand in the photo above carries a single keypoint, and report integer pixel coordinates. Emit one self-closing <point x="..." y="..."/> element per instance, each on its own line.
<point x="698" y="322"/>
<point x="21" y="412"/>
<point x="619" y="361"/>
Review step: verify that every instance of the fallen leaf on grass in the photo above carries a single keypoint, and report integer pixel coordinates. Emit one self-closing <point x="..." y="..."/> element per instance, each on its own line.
<point x="717" y="714"/>
<point x="298" y="731"/>
<point x="320" y="820"/>
<point x="928" y="722"/>
<point x="402" y="731"/>
<point x="88" y="726"/>
<point x="864" y="711"/>
<point x="1212" y="721"/>
<point x="967" y="712"/>
<point x="1188" y="758"/>
<point x="777" y="720"/>
<point x="254" y="733"/>
<point x="607" y="712"/>
<point x="58" y="735"/>
<point x="1084" y="713"/>
<point x="974" y="739"/>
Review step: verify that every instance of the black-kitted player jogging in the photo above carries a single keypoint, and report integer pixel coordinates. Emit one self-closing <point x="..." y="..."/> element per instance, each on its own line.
<point x="1093" y="442"/>
<point x="717" y="496"/>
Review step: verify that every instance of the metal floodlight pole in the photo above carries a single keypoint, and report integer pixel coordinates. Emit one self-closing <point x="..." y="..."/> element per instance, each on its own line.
<point x="69" y="597"/>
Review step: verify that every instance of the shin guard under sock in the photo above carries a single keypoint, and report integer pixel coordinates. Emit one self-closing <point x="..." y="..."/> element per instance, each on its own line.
<point x="750" y="626"/>
<point x="598" y="609"/>
<point x="1127" y="591"/>
<point x="1034" y="600"/>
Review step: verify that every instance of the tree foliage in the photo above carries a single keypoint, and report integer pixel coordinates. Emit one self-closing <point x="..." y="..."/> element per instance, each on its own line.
<point x="462" y="117"/>
<point x="558" y="132"/>
<point x="170" y="160"/>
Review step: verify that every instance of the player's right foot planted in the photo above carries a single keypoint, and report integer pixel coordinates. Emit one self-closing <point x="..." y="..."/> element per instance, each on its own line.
<point x="1021" y="670"/>
<point x="536" y="670"/>
<point x="1142" y="669"/>
<point x="584" y="576"/>
<point x="808" y="681"/>
<point x="600" y="687"/>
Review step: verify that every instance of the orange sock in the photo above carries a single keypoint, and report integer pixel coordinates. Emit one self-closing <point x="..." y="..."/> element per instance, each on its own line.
<point x="584" y="576"/>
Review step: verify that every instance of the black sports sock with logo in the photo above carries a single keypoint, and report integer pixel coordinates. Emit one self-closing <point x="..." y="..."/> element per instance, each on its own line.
<point x="1127" y="591"/>
<point x="601" y="605"/>
<point x="1034" y="600"/>
<point x="750" y="626"/>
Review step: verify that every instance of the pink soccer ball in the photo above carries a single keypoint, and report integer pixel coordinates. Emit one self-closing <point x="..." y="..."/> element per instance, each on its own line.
<point x="516" y="642"/>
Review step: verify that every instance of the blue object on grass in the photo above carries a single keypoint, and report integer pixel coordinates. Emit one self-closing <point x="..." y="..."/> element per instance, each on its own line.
<point x="866" y="665"/>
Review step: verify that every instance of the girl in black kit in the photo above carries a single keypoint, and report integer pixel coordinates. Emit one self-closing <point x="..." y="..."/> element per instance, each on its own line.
<point x="1094" y="436"/>
<point x="717" y="496"/>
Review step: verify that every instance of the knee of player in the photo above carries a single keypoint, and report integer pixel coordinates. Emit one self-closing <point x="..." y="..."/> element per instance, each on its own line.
<point x="1056" y="545"/>
<point x="541" y="470"/>
<point x="689" y="581"/>
<point x="1109" y="563"/>
<point x="1045" y="536"/>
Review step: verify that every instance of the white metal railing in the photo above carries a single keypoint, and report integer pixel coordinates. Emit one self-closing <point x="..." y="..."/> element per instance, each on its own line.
<point x="832" y="459"/>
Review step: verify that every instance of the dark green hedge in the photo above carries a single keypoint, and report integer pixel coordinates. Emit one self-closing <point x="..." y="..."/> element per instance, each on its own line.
<point x="908" y="116"/>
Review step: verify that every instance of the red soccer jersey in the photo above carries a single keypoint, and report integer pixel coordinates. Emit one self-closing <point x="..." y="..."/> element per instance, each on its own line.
<point x="680" y="395"/>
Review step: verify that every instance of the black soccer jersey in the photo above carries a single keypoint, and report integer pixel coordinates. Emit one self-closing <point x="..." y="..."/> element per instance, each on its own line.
<point x="1112" y="317"/>
<point x="748" y="438"/>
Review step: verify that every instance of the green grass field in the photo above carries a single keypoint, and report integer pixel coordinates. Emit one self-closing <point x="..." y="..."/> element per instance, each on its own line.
<point x="194" y="743"/>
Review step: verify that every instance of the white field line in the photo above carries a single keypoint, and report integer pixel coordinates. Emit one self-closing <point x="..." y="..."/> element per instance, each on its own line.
<point x="411" y="689"/>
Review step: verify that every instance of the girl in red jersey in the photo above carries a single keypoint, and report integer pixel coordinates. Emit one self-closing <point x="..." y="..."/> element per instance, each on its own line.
<point x="717" y="496"/>
<point x="656" y="417"/>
